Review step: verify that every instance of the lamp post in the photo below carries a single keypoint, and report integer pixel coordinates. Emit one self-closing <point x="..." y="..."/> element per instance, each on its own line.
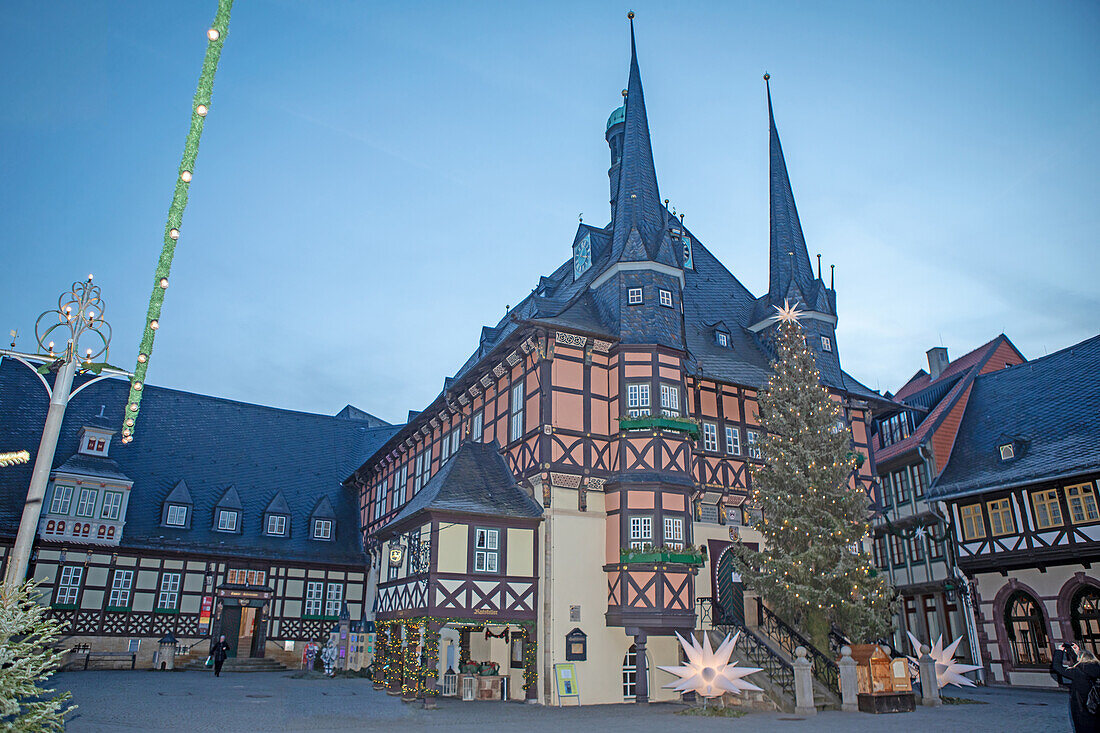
<point x="79" y="315"/>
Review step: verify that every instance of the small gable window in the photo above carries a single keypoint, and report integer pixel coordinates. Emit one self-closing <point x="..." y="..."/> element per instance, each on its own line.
<point x="666" y="298"/>
<point x="826" y="343"/>
<point x="634" y="296"/>
<point x="177" y="515"/>
<point x="227" y="520"/>
<point x="1008" y="451"/>
<point x="722" y="339"/>
<point x="276" y="525"/>
<point x="322" y="529"/>
<point x="582" y="256"/>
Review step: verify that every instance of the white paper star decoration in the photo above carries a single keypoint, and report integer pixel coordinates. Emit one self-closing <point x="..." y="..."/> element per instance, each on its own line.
<point x="948" y="671"/>
<point x="787" y="313"/>
<point x="710" y="673"/>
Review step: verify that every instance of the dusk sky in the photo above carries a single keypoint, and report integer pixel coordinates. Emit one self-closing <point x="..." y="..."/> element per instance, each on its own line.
<point x="377" y="181"/>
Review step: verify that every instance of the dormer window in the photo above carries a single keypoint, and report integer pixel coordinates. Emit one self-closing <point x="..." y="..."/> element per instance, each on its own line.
<point x="666" y="298"/>
<point x="722" y="339"/>
<point x="582" y="256"/>
<point x="227" y="520"/>
<point x="94" y="441"/>
<point x="177" y="515"/>
<point x="276" y="525"/>
<point x="322" y="529"/>
<point x="634" y="296"/>
<point x="826" y="343"/>
<point x="1008" y="451"/>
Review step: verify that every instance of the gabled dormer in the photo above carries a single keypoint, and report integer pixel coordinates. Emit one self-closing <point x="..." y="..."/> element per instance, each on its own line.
<point x="322" y="521"/>
<point x="95" y="437"/>
<point x="227" y="512"/>
<point x="178" y="507"/>
<point x="277" y="517"/>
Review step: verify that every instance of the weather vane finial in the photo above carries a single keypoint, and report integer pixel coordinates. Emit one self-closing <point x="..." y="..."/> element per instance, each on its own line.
<point x="630" y="15"/>
<point x="767" y="76"/>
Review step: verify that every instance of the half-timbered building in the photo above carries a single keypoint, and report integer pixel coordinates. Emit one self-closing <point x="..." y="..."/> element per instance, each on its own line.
<point x="221" y="518"/>
<point x="621" y="394"/>
<point x="1020" y="491"/>
<point x="913" y="441"/>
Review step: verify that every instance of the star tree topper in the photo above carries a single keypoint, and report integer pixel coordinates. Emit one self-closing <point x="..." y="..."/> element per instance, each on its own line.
<point x="710" y="673"/>
<point x="948" y="671"/>
<point x="787" y="313"/>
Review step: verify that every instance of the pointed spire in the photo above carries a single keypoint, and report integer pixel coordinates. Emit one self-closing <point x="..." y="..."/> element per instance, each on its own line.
<point x="639" y="203"/>
<point x="789" y="259"/>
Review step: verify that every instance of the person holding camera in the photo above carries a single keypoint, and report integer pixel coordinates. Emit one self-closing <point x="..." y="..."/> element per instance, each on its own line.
<point x="1082" y="675"/>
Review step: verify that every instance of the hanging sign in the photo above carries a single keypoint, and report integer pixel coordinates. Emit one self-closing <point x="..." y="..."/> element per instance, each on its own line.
<point x="568" y="685"/>
<point x="397" y="555"/>
<point x="205" y="612"/>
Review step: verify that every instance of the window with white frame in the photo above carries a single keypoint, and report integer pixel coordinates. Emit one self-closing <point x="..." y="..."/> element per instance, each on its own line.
<point x="630" y="674"/>
<point x="68" y="585"/>
<point x="826" y="343"/>
<point x="456" y="436"/>
<point x="62" y="499"/>
<point x="670" y="399"/>
<point x="427" y="464"/>
<point x="322" y="529"/>
<point x="227" y="520"/>
<point x="177" y="515"/>
<point x="665" y="297"/>
<point x="752" y="437"/>
<point x="112" y="505"/>
<point x="477" y="427"/>
<point x="333" y="598"/>
<point x="641" y="532"/>
<point x="380" y="502"/>
<point x="634" y="296"/>
<point x="444" y="449"/>
<point x="674" y="532"/>
<point x="733" y="440"/>
<point x="85" y="507"/>
<point x="516" y="430"/>
<point x="722" y="338"/>
<point x="710" y="436"/>
<point x="315" y="595"/>
<point x="169" y="594"/>
<point x="418" y="472"/>
<point x="121" y="584"/>
<point x="637" y="399"/>
<point x="400" y="482"/>
<point x="486" y="550"/>
<point x="276" y="524"/>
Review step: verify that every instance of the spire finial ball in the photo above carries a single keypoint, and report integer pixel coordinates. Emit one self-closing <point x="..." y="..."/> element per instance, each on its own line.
<point x="630" y="15"/>
<point x="767" y="76"/>
<point x="624" y="94"/>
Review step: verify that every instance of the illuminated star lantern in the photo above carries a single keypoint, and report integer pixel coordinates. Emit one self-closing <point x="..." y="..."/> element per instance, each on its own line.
<point x="787" y="313"/>
<point x="710" y="673"/>
<point x="948" y="671"/>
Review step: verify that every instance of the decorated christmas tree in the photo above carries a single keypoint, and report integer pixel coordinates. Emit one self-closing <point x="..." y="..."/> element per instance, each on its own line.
<point x="813" y="570"/>
<point x="28" y="658"/>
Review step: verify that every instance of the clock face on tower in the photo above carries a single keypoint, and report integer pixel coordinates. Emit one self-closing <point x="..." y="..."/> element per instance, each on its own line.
<point x="582" y="256"/>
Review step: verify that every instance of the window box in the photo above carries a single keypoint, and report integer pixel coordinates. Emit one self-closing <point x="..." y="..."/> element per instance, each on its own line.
<point x="682" y="557"/>
<point x="312" y="617"/>
<point x="118" y="609"/>
<point x="64" y="606"/>
<point x="166" y="610"/>
<point x="663" y="422"/>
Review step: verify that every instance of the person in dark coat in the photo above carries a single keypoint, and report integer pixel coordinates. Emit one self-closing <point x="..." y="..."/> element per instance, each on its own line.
<point x="1081" y="676"/>
<point x="221" y="653"/>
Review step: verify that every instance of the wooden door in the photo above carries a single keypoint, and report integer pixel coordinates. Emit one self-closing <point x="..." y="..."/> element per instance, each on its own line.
<point x="231" y="624"/>
<point x="731" y="592"/>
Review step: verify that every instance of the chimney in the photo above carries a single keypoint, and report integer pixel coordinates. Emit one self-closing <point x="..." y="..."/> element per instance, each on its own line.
<point x="937" y="361"/>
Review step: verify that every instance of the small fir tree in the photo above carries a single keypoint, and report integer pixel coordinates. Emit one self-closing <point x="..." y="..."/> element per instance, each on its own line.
<point x="813" y="569"/>
<point x="27" y="660"/>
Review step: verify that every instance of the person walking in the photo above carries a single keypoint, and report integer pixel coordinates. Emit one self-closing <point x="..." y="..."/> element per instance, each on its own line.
<point x="221" y="653"/>
<point x="1082" y="676"/>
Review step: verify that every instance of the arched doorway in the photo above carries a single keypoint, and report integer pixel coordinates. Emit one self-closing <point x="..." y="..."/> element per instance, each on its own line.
<point x="1026" y="630"/>
<point x="731" y="592"/>
<point x="1085" y="615"/>
<point x="630" y="674"/>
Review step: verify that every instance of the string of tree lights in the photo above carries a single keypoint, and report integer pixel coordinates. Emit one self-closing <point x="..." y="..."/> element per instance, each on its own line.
<point x="200" y="107"/>
<point x="813" y="568"/>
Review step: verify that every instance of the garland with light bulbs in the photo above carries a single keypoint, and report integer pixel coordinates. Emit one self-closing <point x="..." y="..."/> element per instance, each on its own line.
<point x="215" y="37"/>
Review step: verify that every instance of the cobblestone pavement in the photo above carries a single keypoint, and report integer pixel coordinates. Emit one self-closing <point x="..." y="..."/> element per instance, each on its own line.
<point x="275" y="701"/>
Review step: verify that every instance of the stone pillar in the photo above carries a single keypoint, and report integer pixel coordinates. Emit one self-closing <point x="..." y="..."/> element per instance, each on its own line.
<point x="641" y="680"/>
<point x="803" y="684"/>
<point x="929" y="684"/>
<point x="849" y="681"/>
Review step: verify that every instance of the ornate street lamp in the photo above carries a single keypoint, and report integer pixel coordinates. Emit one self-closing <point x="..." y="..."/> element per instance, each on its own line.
<point x="77" y="319"/>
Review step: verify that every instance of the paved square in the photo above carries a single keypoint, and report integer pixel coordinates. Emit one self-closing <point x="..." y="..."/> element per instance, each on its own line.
<point x="145" y="700"/>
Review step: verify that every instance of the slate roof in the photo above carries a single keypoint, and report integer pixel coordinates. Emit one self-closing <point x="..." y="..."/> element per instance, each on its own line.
<point x="1048" y="407"/>
<point x="211" y="444"/>
<point x="957" y="376"/>
<point x="99" y="466"/>
<point x="476" y="480"/>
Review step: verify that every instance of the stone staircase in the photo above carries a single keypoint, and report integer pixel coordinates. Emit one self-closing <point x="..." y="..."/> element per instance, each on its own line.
<point x="234" y="664"/>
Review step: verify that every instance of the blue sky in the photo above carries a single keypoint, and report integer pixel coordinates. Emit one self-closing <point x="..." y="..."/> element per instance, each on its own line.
<point x="378" y="180"/>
